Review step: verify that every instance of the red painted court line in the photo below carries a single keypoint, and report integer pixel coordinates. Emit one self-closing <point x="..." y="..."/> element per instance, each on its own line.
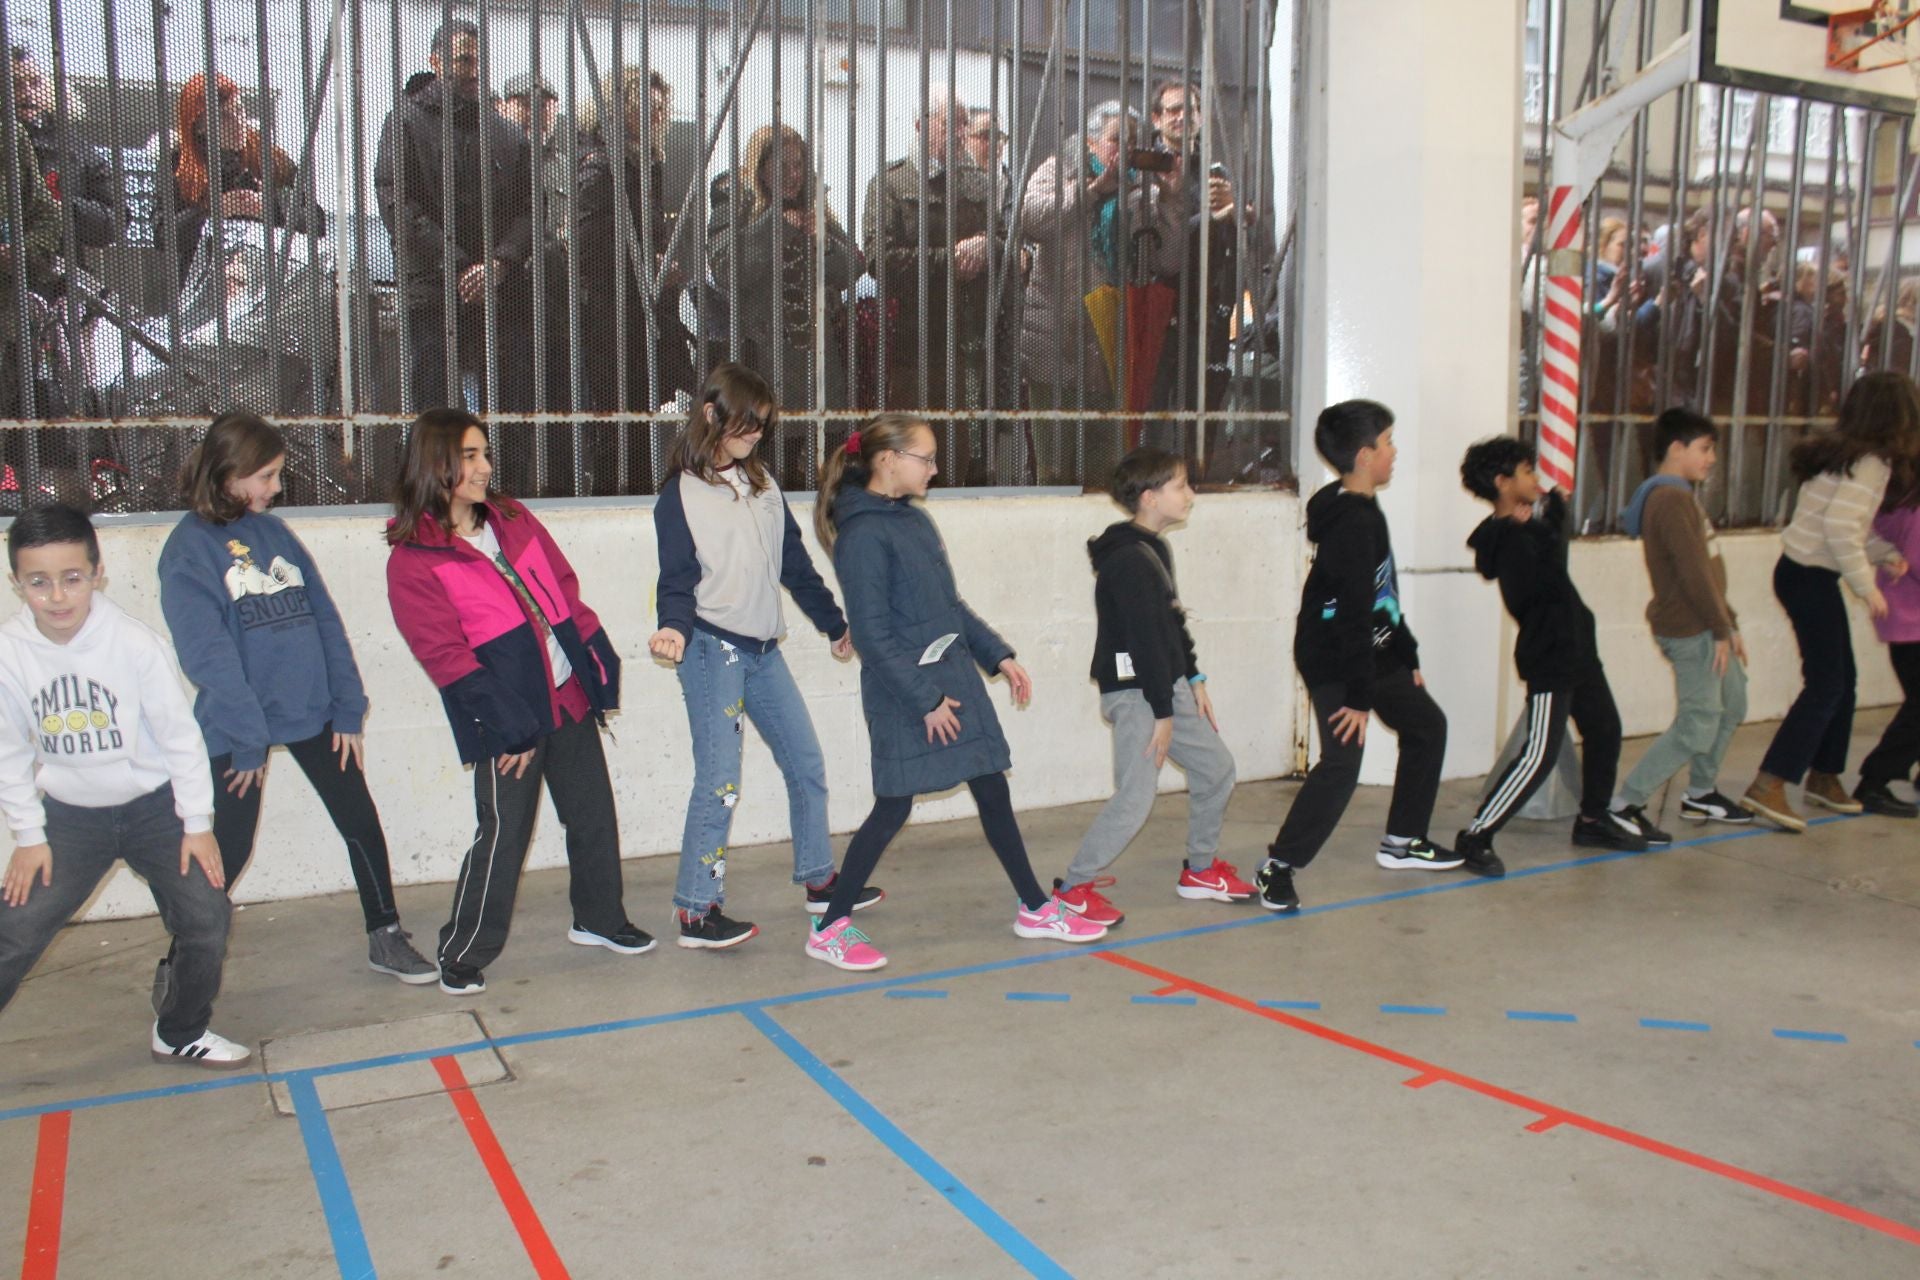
<point x="540" y="1250"/>
<point x="42" y="1254"/>
<point x="1547" y="1115"/>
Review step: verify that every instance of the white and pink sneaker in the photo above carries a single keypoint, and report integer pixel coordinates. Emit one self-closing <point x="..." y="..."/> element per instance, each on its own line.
<point x="1058" y="923"/>
<point x="845" y="947"/>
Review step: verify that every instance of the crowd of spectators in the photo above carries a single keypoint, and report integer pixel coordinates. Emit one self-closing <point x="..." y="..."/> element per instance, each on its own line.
<point x="538" y="265"/>
<point x="1690" y="312"/>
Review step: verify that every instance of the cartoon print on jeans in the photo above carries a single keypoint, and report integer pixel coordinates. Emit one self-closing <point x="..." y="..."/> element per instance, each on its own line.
<point x="716" y="864"/>
<point x="729" y="795"/>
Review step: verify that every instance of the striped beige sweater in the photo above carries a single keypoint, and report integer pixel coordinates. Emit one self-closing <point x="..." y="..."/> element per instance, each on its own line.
<point x="1832" y="524"/>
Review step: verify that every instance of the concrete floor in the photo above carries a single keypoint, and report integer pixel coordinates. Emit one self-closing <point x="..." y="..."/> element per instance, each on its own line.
<point x="1698" y="1062"/>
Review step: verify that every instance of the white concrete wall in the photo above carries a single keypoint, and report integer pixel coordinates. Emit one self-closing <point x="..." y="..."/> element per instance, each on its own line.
<point x="1612" y="576"/>
<point x="1021" y="562"/>
<point x="1411" y="185"/>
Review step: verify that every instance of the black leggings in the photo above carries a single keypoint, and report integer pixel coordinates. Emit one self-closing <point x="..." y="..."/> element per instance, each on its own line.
<point x="890" y="813"/>
<point x="343" y="792"/>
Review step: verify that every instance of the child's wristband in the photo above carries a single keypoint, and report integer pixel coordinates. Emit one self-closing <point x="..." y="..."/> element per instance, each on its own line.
<point x="1198" y="677"/>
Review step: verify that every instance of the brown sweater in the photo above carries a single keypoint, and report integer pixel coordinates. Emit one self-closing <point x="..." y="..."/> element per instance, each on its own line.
<point x="1689" y="577"/>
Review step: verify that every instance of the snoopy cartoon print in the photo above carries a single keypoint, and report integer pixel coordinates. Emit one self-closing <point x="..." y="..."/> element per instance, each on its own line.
<point x="245" y="578"/>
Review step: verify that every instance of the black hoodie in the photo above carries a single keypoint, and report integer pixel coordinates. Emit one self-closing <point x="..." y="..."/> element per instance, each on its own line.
<point x="1528" y="558"/>
<point x="1139" y="617"/>
<point x="1350" y="627"/>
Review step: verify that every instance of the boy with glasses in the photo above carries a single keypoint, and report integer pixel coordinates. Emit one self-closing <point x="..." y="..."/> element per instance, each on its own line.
<point x="100" y="759"/>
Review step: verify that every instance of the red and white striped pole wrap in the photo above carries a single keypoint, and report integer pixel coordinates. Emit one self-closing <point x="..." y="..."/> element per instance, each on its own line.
<point x="1560" y="340"/>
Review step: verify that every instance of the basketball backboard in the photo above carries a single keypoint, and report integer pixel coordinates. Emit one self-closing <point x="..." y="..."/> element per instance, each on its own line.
<point x="1780" y="46"/>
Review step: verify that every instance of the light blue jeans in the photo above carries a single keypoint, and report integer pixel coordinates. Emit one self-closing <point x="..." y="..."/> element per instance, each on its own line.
<point x="1708" y="708"/>
<point x="725" y="686"/>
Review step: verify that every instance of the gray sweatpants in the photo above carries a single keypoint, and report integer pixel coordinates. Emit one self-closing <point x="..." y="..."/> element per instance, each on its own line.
<point x="1197" y="749"/>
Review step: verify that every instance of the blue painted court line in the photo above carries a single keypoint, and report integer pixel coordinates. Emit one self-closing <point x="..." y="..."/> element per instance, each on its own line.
<point x="330" y="1180"/>
<point x="1166" y="999"/>
<point x="881" y="984"/>
<point x="1039" y="997"/>
<point x="136" y="1095"/>
<point x="1536" y="1015"/>
<point x="1821" y="1037"/>
<point x="1424" y="1010"/>
<point x="914" y="993"/>
<point x="1289" y="1004"/>
<point x="911" y="1153"/>
<point x="1669" y="1024"/>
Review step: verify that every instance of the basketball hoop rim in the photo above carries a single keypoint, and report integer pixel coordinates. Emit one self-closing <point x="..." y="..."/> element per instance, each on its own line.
<point x="1895" y="36"/>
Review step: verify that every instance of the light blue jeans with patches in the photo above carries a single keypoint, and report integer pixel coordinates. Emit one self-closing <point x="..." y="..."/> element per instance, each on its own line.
<point x="725" y="686"/>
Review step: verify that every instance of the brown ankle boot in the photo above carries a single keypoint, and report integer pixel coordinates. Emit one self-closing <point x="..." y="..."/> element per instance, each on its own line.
<point x="1767" y="798"/>
<point x="1827" y="791"/>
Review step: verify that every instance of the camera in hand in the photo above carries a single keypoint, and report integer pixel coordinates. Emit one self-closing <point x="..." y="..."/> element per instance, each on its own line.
<point x="1152" y="160"/>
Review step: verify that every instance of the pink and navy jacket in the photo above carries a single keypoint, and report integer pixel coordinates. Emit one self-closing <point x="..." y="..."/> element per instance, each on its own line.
<point x="481" y="647"/>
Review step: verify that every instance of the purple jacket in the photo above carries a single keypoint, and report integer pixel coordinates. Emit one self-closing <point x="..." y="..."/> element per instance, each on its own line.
<point x="1901" y="527"/>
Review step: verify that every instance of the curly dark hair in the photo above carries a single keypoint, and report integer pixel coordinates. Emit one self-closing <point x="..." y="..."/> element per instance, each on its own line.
<point x="1487" y="460"/>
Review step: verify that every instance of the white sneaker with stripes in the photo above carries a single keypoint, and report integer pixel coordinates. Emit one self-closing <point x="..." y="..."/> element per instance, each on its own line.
<point x="212" y="1051"/>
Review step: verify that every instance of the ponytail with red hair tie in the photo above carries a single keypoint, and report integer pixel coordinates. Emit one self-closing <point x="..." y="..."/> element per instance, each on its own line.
<point x="853" y="445"/>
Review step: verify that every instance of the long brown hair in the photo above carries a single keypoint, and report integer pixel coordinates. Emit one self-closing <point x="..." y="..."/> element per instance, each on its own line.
<point x="429" y="470"/>
<point x="236" y="445"/>
<point x="853" y="465"/>
<point x="762" y="188"/>
<point x="190" y="171"/>
<point x="1881" y="415"/>
<point x="735" y="393"/>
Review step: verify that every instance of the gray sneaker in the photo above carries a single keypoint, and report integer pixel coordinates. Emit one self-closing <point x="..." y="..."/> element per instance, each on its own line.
<point x="389" y="951"/>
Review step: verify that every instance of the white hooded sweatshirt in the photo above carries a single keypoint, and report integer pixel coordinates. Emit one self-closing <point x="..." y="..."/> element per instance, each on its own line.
<point x="96" y="722"/>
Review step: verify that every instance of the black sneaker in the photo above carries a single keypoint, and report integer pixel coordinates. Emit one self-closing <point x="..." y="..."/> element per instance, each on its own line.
<point x="1637" y="815"/>
<point x="1609" y="831"/>
<point x="461" y="980"/>
<point x="1417" y="855"/>
<point x="1476" y="852"/>
<point x="1877" y="797"/>
<point x="1714" y="807"/>
<point x="817" y="899"/>
<point x="714" y="931"/>
<point x="629" y="939"/>
<point x="1276" y="887"/>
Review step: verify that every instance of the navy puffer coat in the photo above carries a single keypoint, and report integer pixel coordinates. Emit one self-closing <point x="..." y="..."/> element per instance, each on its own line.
<point x="901" y="599"/>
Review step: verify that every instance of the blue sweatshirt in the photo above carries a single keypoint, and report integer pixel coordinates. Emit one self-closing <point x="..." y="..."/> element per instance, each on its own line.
<point x="257" y="632"/>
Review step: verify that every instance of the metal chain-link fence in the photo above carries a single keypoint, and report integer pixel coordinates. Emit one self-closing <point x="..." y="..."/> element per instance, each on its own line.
<point x="1747" y="256"/>
<point x="1055" y="227"/>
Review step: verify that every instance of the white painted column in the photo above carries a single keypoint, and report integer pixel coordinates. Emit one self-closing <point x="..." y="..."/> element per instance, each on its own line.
<point x="1412" y="178"/>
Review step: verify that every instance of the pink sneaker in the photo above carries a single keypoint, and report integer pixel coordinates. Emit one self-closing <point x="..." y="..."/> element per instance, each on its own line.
<point x="1218" y="881"/>
<point x="1057" y="922"/>
<point x="845" y="947"/>
<point x="1087" y="902"/>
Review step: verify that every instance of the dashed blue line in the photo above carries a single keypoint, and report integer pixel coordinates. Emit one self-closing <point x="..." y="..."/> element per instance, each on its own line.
<point x="1166" y="999"/>
<point x="1821" y="1037"/>
<point x="1424" y="1010"/>
<point x="1043" y="997"/>
<point x="915" y="993"/>
<point x="879" y="984"/>
<point x="1537" y="1015"/>
<point x="1671" y="1024"/>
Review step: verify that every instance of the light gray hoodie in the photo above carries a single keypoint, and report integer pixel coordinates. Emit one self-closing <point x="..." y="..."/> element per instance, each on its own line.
<point x="96" y="722"/>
